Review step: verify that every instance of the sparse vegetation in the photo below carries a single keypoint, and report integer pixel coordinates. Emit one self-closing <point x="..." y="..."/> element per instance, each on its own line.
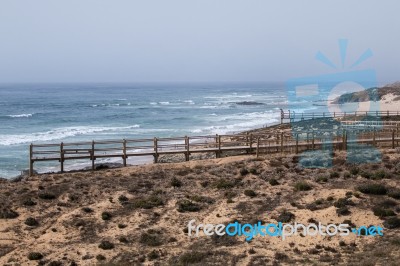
<point x="175" y="182"/>
<point x="151" y="238"/>
<point x="250" y="193"/>
<point x="6" y="213"/>
<point x="106" y="216"/>
<point x="46" y="195"/>
<point x="35" y="256"/>
<point x="188" y="206"/>
<point x="106" y="245"/>
<point x="372" y="188"/>
<point x="273" y="182"/>
<point x="285" y="217"/>
<point x="31" y="222"/>
<point x="302" y="186"/>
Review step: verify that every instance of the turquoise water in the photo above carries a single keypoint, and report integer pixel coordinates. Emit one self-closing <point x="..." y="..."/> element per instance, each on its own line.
<point x="53" y="113"/>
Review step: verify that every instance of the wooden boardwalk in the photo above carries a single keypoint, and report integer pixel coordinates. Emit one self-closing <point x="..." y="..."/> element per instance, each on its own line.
<point x="266" y="142"/>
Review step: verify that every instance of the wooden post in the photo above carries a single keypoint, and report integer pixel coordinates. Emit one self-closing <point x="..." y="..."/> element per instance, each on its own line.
<point x="313" y="141"/>
<point x="247" y="138"/>
<point x="31" y="160"/>
<point x="297" y="143"/>
<point x="251" y="142"/>
<point x="219" y="146"/>
<point x="374" y="137"/>
<point x="92" y="155"/>
<point x="282" y="142"/>
<point x="62" y="157"/>
<point x="258" y="147"/>
<point x="155" y="150"/>
<point x="187" y="148"/>
<point x="124" y="149"/>
<point x="392" y="139"/>
<point x="344" y="140"/>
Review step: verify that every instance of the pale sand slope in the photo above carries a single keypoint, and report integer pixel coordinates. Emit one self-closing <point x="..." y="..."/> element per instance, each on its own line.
<point x="154" y="215"/>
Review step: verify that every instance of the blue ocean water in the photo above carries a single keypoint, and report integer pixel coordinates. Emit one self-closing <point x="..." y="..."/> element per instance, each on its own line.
<point x="52" y="113"/>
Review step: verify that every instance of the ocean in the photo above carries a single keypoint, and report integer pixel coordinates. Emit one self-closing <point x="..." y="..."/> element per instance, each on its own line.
<point x="54" y="113"/>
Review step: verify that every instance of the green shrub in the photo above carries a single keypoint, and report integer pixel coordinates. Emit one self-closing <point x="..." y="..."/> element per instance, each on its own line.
<point x="392" y="222"/>
<point x="188" y="206"/>
<point x="285" y="217"/>
<point x="87" y="209"/>
<point x="224" y="184"/>
<point x="29" y="202"/>
<point x="6" y="213"/>
<point x="394" y="193"/>
<point x="343" y="211"/>
<point x="192" y="257"/>
<point x="148" y="203"/>
<point x="273" y="182"/>
<point x="150" y="238"/>
<point x="106" y="245"/>
<point x="35" y="256"/>
<point x="100" y="257"/>
<point x="250" y="193"/>
<point x="321" y="179"/>
<point x="342" y="202"/>
<point x="106" y="216"/>
<point x="302" y="186"/>
<point x="354" y="170"/>
<point x="31" y="221"/>
<point x="334" y="175"/>
<point x="122" y="199"/>
<point x="253" y="171"/>
<point x="153" y="255"/>
<point x="372" y="188"/>
<point x="381" y="212"/>
<point x="244" y="172"/>
<point x="381" y="174"/>
<point x="175" y="182"/>
<point x="47" y="195"/>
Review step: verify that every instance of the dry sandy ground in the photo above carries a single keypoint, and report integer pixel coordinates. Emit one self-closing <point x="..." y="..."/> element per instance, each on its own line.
<point x="139" y="215"/>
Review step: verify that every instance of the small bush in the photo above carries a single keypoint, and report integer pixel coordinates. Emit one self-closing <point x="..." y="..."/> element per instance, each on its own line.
<point x="374" y="189"/>
<point x="153" y="255"/>
<point x="354" y="170"/>
<point x="244" y="172"/>
<point x="302" y="186"/>
<point x="250" y="193"/>
<point x="366" y="174"/>
<point x="188" y="206"/>
<point x="334" y="175"/>
<point x="381" y="174"/>
<point x="175" y="182"/>
<point x="253" y="171"/>
<point x="381" y="212"/>
<point x="122" y="226"/>
<point x="224" y="184"/>
<point x="29" y="202"/>
<point x="342" y="202"/>
<point x="392" y="222"/>
<point x="343" y="211"/>
<point x="87" y="210"/>
<point x="106" y="216"/>
<point x="31" y="222"/>
<point x="192" y="257"/>
<point x="6" y="213"/>
<point x="122" y="199"/>
<point x="285" y="217"/>
<point x="148" y="203"/>
<point x="35" y="256"/>
<point x="273" y="182"/>
<point x="321" y="179"/>
<point x="100" y="257"/>
<point x="106" y="245"/>
<point x="346" y="175"/>
<point x="151" y="239"/>
<point x="47" y="195"/>
<point x="394" y="193"/>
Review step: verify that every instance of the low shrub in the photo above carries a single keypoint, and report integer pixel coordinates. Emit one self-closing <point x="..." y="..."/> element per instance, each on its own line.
<point x="285" y="217"/>
<point x="372" y="188"/>
<point x="31" y="222"/>
<point x="106" y="216"/>
<point x="302" y="186"/>
<point x="175" y="182"/>
<point x="392" y="222"/>
<point x="244" y="172"/>
<point x="106" y="245"/>
<point x="35" y="256"/>
<point x="6" y="213"/>
<point x="150" y="238"/>
<point x="188" y="206"/>
<point x="273" y="182"/>
<point x="250" y="193"/>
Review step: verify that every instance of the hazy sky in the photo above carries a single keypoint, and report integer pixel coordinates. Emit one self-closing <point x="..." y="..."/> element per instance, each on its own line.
<point x="191" y="40"/>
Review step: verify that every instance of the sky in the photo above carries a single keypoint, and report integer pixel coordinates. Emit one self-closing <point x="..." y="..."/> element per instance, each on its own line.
<point x="192" y="40"/>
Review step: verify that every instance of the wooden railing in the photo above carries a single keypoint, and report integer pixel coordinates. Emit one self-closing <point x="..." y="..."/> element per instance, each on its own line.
<point x="269" y="141"/>
<point x="292" y="116"/>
